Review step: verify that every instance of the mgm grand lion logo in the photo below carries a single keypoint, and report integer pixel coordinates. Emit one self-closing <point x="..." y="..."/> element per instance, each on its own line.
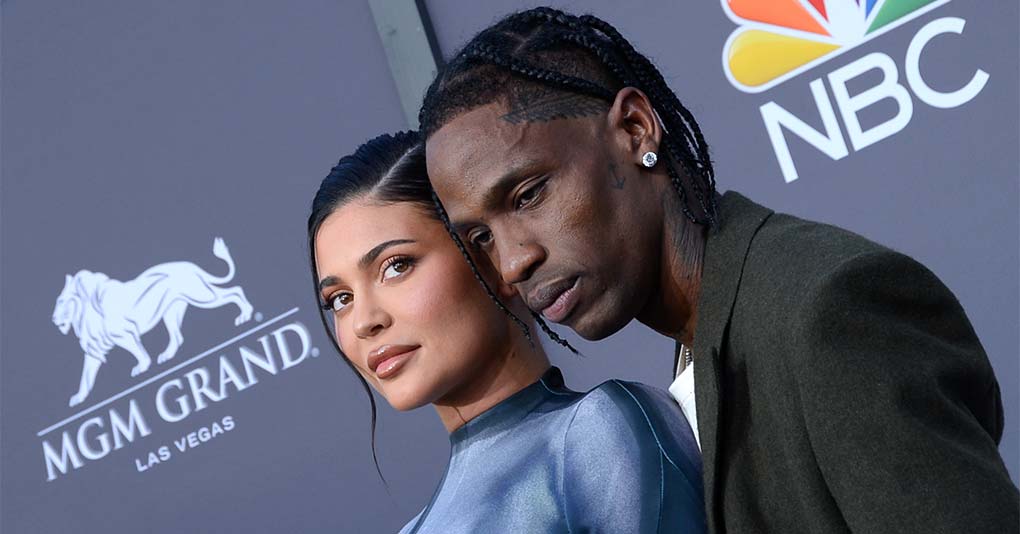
<point x="105" y="313"/>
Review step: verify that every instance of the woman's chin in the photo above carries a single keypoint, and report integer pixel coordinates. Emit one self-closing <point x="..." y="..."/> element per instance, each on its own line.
<point x="403" y="401"/>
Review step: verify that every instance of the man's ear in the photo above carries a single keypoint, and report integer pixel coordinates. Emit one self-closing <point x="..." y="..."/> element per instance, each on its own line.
<point x="635" y="124"/>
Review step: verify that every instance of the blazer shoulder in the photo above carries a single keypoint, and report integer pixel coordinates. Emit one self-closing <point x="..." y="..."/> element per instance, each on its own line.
<point x="827" y="287"/>
<point x="786" y="245"/>
<point x="793" y="266"/>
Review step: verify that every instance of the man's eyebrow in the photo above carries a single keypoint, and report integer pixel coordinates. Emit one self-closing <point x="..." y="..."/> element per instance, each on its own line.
<point x="365" y="260"/>
<point x="461" y="227"/>
<point x="493" y="197"/>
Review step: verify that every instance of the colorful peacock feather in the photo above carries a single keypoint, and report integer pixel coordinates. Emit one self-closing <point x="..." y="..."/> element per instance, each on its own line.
<point x="778" y="39"/>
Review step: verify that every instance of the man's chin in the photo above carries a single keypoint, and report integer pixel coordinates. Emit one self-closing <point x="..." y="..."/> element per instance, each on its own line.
<point x="596" y="327"/>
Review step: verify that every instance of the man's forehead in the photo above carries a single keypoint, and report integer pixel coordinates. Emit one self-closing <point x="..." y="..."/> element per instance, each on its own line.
<point x="473" y="139"/>
<point x="472" y="151"/>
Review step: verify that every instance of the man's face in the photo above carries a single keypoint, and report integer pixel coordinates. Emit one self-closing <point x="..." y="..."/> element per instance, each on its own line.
<point x="560" y="208"/>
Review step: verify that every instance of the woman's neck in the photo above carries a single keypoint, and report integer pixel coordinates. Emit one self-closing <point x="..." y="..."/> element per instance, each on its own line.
<point x="512" y="371"/>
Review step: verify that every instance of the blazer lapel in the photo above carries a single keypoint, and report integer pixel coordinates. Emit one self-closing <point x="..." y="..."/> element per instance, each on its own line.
<point x="725" y="251"/>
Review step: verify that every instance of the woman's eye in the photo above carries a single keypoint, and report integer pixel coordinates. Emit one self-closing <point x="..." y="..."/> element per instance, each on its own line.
<point x="529" y="195"/>
<point x="340" y="301"/>
<point x="396" y="268"/>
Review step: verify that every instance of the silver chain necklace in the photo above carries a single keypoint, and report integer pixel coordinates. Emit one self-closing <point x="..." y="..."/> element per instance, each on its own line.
<point x="684" y="357"/>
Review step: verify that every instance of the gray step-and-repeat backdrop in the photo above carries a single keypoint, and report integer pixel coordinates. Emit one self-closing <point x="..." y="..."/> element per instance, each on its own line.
<point x="154" y="150"/>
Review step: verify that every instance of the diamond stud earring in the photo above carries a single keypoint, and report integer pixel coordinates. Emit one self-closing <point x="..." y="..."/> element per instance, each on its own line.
<point x="649" y="159"/>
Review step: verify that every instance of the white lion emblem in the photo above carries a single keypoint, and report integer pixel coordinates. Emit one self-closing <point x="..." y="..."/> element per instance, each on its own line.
<point x="106" y="313"/>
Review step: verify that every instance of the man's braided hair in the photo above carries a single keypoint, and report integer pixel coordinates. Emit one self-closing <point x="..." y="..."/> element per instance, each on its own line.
<point x="546" y="55"/>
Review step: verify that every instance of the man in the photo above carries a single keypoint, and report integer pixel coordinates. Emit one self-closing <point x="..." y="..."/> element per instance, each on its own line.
<point x="838" y="385"/>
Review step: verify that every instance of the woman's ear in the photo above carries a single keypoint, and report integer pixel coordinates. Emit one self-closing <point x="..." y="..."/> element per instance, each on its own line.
<point x="635" y="123"/>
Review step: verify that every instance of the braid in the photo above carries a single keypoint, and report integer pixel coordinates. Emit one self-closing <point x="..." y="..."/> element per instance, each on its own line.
<point x="553" y="335"/>
<point x="487" y="52"/>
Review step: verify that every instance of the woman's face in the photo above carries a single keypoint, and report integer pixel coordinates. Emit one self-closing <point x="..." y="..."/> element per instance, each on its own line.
<point x="407" y="309"/>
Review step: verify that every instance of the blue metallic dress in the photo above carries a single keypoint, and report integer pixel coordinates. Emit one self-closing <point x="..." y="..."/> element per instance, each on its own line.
<point x="617" y="459"/>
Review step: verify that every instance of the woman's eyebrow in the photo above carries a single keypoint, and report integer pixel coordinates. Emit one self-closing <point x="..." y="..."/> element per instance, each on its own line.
<point x="371" y="255"/>
<point x="328" y="281"/>
<point x="365" y="260"/>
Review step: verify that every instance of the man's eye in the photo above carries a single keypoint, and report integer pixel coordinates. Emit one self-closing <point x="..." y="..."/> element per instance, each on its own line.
<point x="529" y="195"/>
<point x="340" y="301"/>
<point x="397" y="267"/>
<point x="480" y="238"/>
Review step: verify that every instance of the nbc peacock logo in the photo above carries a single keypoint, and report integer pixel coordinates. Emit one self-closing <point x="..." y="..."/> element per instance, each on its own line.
<point x="779" y="39"/>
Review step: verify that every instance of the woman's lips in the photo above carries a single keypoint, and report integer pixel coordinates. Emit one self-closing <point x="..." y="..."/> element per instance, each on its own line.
<point x="393" y="365"/>
<point x="387" y="360"/>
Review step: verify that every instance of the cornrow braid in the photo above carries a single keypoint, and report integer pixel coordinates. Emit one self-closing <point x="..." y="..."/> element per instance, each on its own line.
<point x="553" y="335"/>
<point x="572" y="83"/>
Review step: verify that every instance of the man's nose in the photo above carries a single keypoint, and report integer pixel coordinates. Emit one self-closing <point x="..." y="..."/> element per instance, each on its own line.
<point x="518" y="260"/>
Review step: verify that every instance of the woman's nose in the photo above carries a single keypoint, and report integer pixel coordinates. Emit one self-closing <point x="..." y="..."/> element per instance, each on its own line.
<point x="370" y="319"/>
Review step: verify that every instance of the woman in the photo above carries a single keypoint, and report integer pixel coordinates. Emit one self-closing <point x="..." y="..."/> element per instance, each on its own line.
<point x="411" y="318"/>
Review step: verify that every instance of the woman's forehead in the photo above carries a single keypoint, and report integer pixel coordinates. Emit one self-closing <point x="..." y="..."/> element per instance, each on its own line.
<point x="359" y="225"/>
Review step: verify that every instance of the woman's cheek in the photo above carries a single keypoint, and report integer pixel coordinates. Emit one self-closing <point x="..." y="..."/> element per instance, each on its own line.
<point x="434" y="298"/>
<point x="420" y="307"/>
<point x="344" y="338"/>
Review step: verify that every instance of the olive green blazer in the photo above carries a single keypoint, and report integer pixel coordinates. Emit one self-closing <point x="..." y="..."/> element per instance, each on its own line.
<point x="840" y="388"/>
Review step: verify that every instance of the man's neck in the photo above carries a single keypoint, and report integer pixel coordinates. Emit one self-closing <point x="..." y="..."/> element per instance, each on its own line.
<point x="672" y="307"/>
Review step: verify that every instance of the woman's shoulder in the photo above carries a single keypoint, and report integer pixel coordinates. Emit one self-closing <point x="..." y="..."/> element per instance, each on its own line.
<point x="632" y="401"/>
<point x="630" y="459"/>
<point x="623" y="415"/>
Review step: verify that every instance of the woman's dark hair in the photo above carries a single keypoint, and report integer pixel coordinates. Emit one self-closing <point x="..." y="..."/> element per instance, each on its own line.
<point x="532" y="53"/>
<point x="390" y="169"/>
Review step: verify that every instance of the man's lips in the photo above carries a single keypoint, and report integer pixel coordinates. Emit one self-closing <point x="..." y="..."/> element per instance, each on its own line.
<point x="556" y="300"/>
<point x="386" y="360"/>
